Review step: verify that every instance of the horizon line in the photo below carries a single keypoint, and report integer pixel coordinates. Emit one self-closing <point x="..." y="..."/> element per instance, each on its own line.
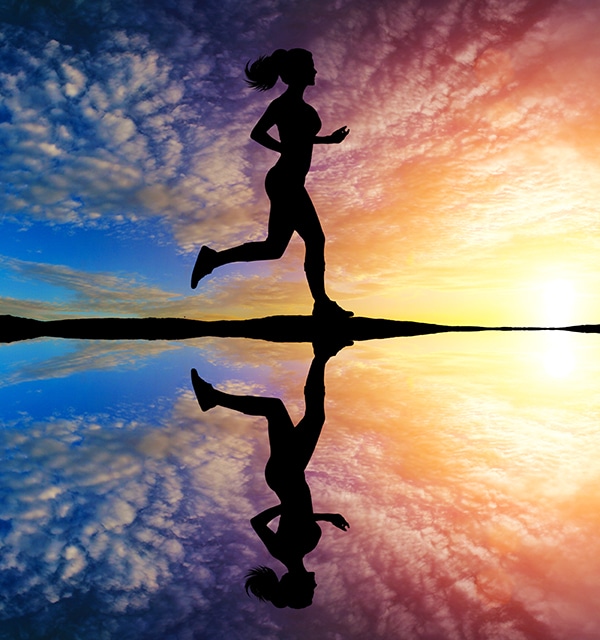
<point x="278" y="328"/>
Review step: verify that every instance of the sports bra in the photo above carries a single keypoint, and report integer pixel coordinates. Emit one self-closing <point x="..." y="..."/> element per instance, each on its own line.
<point x="297" y="121"/>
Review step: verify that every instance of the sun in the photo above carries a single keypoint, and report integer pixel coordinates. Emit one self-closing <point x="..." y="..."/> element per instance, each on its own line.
<point x="558" y="302"/>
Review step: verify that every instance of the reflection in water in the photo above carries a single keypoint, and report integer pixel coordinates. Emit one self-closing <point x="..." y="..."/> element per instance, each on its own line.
<point x="559" y="356"/>
<point x="291" y="450"/>
<point x="470" y="476"/>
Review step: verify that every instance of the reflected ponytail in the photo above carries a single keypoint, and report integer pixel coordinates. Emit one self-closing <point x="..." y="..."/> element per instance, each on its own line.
<point x="263" y="583"/>
<point x="262" y="74"/>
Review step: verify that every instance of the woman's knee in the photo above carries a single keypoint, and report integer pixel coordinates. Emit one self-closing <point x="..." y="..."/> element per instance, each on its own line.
<point x="274" y="249"/>
<point x="314" y="261"/>
<point x="316" y="239"/>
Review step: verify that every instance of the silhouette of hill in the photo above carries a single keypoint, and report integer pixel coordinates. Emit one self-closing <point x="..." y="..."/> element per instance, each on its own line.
<point x="272" y="328"/>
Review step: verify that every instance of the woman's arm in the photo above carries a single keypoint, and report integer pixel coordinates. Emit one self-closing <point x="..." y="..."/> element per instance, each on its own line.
<point x="339" y="135"/>
<point x="260" y="132"/>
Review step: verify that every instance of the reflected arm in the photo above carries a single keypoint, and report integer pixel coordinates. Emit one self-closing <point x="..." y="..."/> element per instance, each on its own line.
<point x="336" y="519"/>
<point x="260" y="524"/>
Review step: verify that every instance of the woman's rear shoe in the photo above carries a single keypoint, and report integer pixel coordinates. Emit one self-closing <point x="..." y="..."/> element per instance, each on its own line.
<point x="205" y="263"/>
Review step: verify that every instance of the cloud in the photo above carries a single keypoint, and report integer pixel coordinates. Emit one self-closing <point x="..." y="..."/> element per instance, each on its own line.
<point x="120" y="127"/>
<point x="84" y="293"/>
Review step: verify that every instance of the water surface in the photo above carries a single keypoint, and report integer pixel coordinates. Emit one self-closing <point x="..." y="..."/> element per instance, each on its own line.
<point x="466" y="465"/>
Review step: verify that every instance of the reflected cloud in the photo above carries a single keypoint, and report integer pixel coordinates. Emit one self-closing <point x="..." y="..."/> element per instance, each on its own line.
<point x="116" y="516"/>
<point x="468" y="475"/>
<point x="78" y="356"/>
<point x="559" y="360"/>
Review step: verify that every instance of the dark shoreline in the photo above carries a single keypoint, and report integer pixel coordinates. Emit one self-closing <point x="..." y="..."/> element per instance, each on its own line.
<point x="272" y="328"/>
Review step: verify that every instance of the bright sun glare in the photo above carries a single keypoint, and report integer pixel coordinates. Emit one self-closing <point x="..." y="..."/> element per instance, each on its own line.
<point x="557" y="309"/>
<point x="558" y="302"/>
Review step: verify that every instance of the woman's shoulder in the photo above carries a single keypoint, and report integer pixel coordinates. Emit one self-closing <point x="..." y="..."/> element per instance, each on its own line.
<point x="278" y="103"/>
<point x="275" y="110"/>
<point x="286" y="108"/>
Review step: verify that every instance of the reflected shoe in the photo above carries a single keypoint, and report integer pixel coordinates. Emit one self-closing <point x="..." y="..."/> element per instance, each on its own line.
<point x="329" y="346"/>
<point x="205" y="392"/>
<point x="205" y="263"/>
<point x="330" y="309"/>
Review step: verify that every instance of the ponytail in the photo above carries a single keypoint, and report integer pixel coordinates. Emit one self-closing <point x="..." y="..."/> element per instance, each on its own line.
<point x="263" y="73"/>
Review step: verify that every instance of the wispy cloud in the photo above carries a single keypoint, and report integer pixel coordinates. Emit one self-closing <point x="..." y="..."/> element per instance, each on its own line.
<point x="84" y="356"/>
<point x="74" y="293"/>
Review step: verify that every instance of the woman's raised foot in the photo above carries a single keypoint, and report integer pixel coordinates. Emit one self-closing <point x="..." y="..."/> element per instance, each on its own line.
<point x="205" y="263"/>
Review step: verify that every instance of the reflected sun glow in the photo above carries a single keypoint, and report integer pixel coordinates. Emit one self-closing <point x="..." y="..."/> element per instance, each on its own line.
<point x="558" y="357"/>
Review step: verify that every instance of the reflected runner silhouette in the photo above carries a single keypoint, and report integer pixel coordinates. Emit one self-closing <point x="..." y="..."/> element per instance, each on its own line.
<point x="291" y="207"/>
<point x="291" y="447"/>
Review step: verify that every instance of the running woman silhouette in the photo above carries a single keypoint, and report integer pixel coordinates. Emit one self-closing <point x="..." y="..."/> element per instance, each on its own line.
<point x="291" y="207"/>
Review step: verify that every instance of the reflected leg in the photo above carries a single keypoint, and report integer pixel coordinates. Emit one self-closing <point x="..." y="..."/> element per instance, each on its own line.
<point x="308" y="430"/>
<point x="280" y="425"/>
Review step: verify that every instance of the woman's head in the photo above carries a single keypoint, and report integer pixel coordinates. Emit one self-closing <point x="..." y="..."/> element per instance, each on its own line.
<point x="293" y="590"/>
<point x="293" y="66"/>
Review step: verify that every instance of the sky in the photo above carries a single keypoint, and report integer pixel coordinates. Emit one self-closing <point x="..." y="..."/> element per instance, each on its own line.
<point x="467" y="469"/>
<point x="466" y="192"/>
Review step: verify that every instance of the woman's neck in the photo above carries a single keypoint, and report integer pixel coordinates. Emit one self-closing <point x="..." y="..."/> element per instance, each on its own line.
<point x="295" y="91"/>
<point x="295" y="565"/>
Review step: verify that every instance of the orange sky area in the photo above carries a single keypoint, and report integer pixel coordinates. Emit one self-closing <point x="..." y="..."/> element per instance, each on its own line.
<point x="465" y="194"/>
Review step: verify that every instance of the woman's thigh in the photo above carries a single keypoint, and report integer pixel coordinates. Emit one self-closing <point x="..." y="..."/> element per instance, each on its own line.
<point x="291" y="210"/>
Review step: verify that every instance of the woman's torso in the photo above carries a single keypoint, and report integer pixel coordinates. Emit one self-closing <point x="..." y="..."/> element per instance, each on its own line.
<point x="297" y="123"/>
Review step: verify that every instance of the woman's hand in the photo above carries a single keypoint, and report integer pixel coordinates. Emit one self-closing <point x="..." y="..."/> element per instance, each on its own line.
<point x="339" y="135"/>
<point x="337" y="520"/>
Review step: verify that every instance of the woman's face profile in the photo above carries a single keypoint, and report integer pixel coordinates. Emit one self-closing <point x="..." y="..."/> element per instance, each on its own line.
<point x="311" y="72"/>
<point x="302" y="70"/>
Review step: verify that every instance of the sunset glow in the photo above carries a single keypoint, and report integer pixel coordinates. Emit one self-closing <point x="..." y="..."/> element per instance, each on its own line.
<point x="471" y="173"/>
<point x="467" y="193"/>
<point x="558" y="302"/>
